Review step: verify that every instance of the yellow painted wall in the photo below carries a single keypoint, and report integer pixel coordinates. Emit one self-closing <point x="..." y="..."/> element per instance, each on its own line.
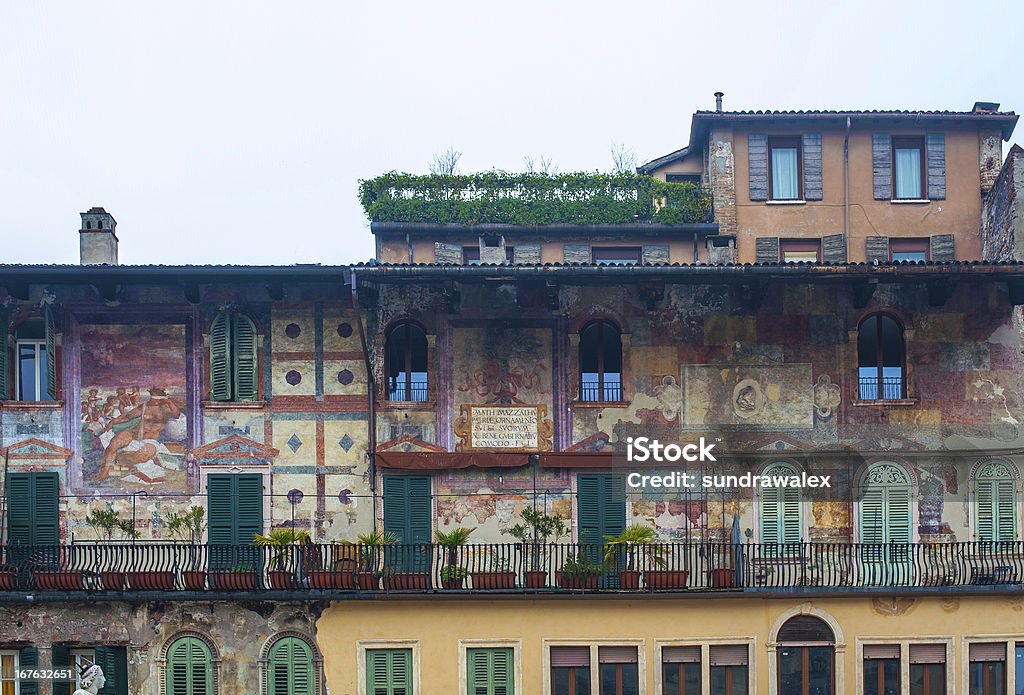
<point x="437" y="625"/>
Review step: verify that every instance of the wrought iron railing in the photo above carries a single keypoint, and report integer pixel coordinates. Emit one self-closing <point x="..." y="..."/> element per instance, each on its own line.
<point x="891" y="390"/>
<point x="515" y="567"/>
<point x="594" y="393"/>
<point x="414" y="390"/>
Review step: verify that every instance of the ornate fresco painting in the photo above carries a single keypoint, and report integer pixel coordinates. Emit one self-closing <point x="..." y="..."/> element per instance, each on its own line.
<point x="134" y="422"/>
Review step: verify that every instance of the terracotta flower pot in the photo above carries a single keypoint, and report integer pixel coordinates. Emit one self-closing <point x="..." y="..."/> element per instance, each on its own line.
<point x="367" y="581"/>
<point x="330" y="579"/>
<point x="723" y="578"/>
<point x="113" y="581"/>
<point x="453" y="583"/>
<point x="576" y="581"/>
<point x="535" y="579"/>
<point x="151" y="581"/>
<point x="419" y="581"/>
<point x="493" y="580"/>
<point x="234" y="581"/>
<point x="194" y="580"/>
<point x="281" y="579"/>
<point x="629" y="579"/>
<point x="8" y="579"/>
<point x="666" y="579"/>
<point x="59" y="580"/>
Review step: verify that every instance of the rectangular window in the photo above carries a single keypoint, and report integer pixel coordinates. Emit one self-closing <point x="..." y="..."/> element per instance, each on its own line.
<point x="800" y="250"/>
<point x="407" y="516"/>
<point x="987" y="670"/>
<point x="389" y="672"/>
<point x="234" y="505"/>
<point x="79" y="658"/>
<point x="881" y="669"/>
<point x="616" y="255"/>
<point x="927" y="669"/>
<point x="31" y="374"/>
<point x="786" y="168"/>
<point x="619" y="670"/>
<point x="908" y="163"/>
<point x="33" y="501"/>
<point x="680" y="670"/>
<point x="471" y="255"/>
<point x="570" y="670"/>
<point x="9" y="673"/>
<point x="909" y="250"/>
<point x="490" y="671"/>
<point x="728" y="669"/>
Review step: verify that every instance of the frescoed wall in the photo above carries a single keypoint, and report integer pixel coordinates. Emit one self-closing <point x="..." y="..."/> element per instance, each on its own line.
<point x="133" y="399"/>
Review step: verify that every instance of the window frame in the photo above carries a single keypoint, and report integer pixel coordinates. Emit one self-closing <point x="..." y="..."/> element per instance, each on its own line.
<point x="165" y="663"/>
<point x="799" y="245"/>
<point x="614" y="255"/>
<point x="408" y="324"/>
<point x="16" y="654"/>
<point x="364" y="646"/>
<point x="39" y="355"/>
<point x="879" y="358"/>
<point x="785" y="547"/>
<point x="908" y="245"/>
<point x="787" y="142"/>
<point x="517" y="664"/>
<point x="75" y="653"/>
<point x="232" y="367"/>
<point x="601" y="386"/>
<point x="705" y="658"/>
<point x="910" y="142"/>
<point x="593" y="644"/>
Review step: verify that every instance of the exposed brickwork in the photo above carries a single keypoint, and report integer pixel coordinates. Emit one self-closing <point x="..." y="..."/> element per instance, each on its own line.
<point x="723" y="180"/>
<point x="1002" y="215"/>
<point x="656" y="253"/>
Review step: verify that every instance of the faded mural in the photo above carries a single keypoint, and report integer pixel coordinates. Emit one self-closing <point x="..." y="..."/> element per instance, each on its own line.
<point x="134" y="425"/>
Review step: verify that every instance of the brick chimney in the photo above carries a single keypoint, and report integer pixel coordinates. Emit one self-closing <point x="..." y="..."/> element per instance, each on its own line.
<point x="97" y="240"/>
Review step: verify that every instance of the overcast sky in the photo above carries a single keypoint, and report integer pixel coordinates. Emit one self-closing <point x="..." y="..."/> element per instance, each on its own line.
<point x="235" y="132"/>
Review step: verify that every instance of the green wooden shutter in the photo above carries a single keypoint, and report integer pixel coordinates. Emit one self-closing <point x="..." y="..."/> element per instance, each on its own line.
<point x="601" y="506"/>
<point x="60" y="657"/>
<point x="291" y="668"/>
<point x="33" y="501"/>
<point x="984" y="505"/>
<point x="28" y="658"/>
<point x="770" y="526"/>
<point x="1006" y="510"/>
<point x="51" y="352"/>
<point x="189" y="668"/>
<point x="792" y="515"/>
<point x="489" y="671"/>
<point x="114" y="662"/>
<point x="234" y="504"/>
<point x="872" y="515"/>
<point x="995" y="503"/>
<point x="220" y="358"/>
<point x="389" y="672"/>
<point x="407" y="515"/>
<point x="244" y="364"/>
<point x="4" y="347"/>
<point x="898" y="515"/>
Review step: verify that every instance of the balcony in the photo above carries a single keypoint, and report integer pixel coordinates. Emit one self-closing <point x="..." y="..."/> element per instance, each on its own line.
<point x="159" y="569"/>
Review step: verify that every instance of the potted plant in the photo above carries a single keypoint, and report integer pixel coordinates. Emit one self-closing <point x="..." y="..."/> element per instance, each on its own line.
<point x="282" y="573"/>
<point x="58" y="580"/>
<point x="189" y="527"/>
<point x="107" y="524"/>
<point x="452" y="574"/>
<point x="369" y="548"/>
<point x="494" y="573"/>
<point x="238" y="578"/>
<point x="8" y="578"/>
<point x="535" y="532"/>
<point x="578" y="572"/>
<point x="638" y="542"/>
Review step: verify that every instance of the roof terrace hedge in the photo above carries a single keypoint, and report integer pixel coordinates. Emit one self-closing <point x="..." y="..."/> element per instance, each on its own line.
<point x="531" y="199"/>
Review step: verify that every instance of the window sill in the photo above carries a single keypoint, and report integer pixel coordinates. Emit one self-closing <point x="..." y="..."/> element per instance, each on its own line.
<point x="406" y="405"/>
<point x="234" y="405"/>
<point x="910" y="201"/>
<point x="899" y="402"/>
<point x="785" y="202"/>
<point x="31" y="405"/>
<point x="600" y="404"/>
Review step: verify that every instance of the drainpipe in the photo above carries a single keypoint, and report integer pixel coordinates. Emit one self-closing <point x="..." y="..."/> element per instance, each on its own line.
<point x="696" y="255"/>
<point x="371" y="398"/>
<point x="3" y="510"/>
<point x="846" y="183"/>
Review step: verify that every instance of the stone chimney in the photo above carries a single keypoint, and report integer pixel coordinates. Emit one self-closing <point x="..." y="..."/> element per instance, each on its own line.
<point x="97" y="240"/>
<point x="718" y="101"/>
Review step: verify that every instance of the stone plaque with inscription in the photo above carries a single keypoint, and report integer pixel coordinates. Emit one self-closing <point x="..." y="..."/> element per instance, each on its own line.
<point x="504" y="427"/>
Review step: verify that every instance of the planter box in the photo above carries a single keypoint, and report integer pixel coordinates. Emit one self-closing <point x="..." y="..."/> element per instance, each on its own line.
<point x="151" y="581"/>
<point x="535" y="579"/>
<point x="234" y="581"/>
<point x="493" y="580"/>
<point x="327" y="579"/>
<point x="113" y="581"/>
<point x="453" y="583"/>
<point x="8" y="579"/>
<point x="367" y="581"/>
<point x="419" y="581"/>
<point x="194" y="580"/>
<point x="723" y="578"/>
<point x="281" y="579"/>
<point x="59" y="580"/>
<point x="629" y="579"/>
<point x="666" y="579"/>
<point x="577" y="581"/>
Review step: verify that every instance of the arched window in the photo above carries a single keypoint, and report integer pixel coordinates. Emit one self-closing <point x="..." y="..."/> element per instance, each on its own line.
<point x="189" y="667"/>
<point x="407" y="363"/>
<point x="233" y="358"/>
<point x="995" y="502"/>
<point x="601" y="363"/>
<point x="290" y="668"/>
<point x="806" y="655"/>
<point x="885" y="505"/>
<point x="779" y="512"/>
<point x="880" y="359"/>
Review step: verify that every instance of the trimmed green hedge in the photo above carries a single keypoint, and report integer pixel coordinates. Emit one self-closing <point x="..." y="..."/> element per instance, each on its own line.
<point x="531" y="199"/>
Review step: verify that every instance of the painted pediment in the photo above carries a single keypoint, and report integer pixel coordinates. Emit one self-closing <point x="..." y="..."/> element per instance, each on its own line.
<point x="407" y="442"/>
<point x="235" y="449"/>
<point x="37" y="449"/>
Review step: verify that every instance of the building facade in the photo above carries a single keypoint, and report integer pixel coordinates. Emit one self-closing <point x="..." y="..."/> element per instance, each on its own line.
<point x="819" y="294"/>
